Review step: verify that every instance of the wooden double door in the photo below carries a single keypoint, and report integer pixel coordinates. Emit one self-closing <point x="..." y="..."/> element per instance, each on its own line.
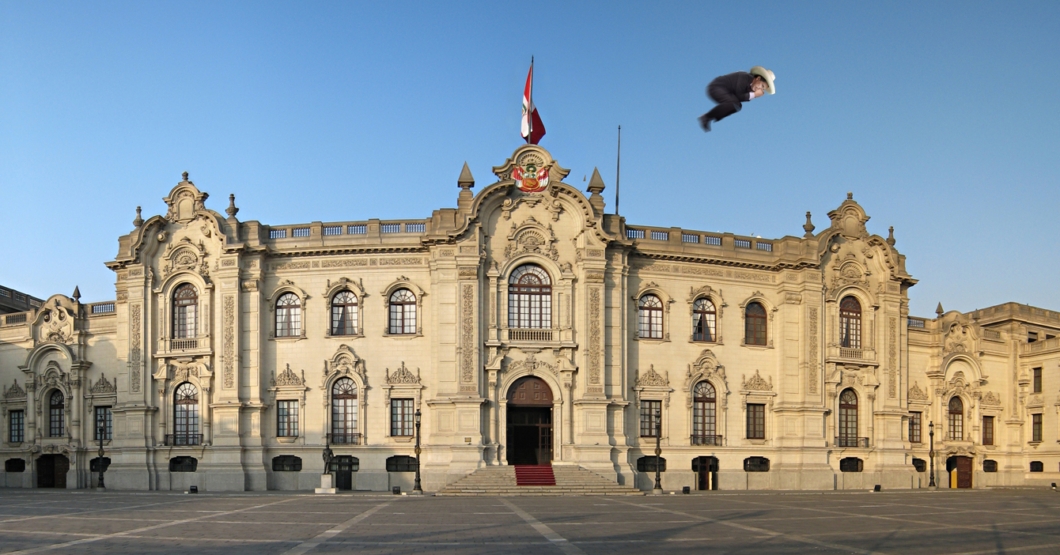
<point x="960" y="469"/>
<point x="51" y="471"/>
<point x="344" y="466"/>
<point x="706" y="469"/>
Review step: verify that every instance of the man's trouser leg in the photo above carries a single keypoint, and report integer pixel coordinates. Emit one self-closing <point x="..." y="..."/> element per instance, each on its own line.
<point x="728" y="103"/>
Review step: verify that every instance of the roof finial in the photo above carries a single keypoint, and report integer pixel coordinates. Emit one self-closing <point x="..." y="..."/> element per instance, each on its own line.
<point x="850" y="195"/>
<point x="466" y="180"/>
<point x="938" y="311"/>
<point x="232" y="210"/>
<point x="808" y="226"/>
<point x="138" y="221"/>
<point x="185" y="176"/>
<point x="890" y="236"/>
<point x="77" y="294"/>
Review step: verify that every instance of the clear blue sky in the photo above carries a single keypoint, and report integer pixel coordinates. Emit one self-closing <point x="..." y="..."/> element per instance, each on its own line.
<point x="942" y="118"/>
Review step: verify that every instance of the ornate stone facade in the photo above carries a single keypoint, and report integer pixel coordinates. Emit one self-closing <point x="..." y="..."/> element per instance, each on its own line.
<point x="427" y="311"/>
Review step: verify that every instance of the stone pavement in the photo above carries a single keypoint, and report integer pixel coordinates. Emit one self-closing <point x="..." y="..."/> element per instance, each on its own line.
<point x="942" y="522"/>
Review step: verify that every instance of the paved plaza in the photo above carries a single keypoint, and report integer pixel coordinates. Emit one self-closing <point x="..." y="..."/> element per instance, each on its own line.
<point x="943" y="522"/>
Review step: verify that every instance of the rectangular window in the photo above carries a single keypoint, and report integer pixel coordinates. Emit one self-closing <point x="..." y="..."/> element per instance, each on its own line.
<point x="401" y="415"/>
<point x="988" y="430"/>
<point x="1037" y="380"/>
<point x="914" y="427"/>
<point x="756" y="421"/>
<point x="1032" y="336"/>
<point x="287" y="418"/>
<point x="650" y="413"/>
<point x="103" y="423"/>
<point x="1036" y="428"/>
<point x="17" y="425"/>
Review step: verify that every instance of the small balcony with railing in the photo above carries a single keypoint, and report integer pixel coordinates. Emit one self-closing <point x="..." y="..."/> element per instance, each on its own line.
<point x="855" y="354"/>
<point x="702" y="439"/>
<point x="184" y="345"/>
<point x="850" y="441"/>
<point x="530" y="335"/>
<point x="183" y="440"/>
<point x="344" y="438"/>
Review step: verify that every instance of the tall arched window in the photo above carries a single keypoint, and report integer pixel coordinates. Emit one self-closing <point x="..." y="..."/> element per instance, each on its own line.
<point x="56" y="414"/>
<point x="185" y="311"/>
<point x="529" y="298"/>
<point x="344" y="313"/>
<point x="288" y="316"/>
<point x="402" y="312"/>
<point x="754" y="324"/>
<point x="850" y="323"/>
<point x="848" y="418"/>
<point x="704" y="321"/>
<point x="650" y="317"/>
<point x="186" y="415"/>
<point x="956" y="419"/>
<point x="344" y="412"/>
<point x="704" y="415"/>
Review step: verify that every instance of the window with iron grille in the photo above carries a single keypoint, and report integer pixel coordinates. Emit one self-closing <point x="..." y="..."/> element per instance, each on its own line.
<point x="390" y="228"/>
<point x="359" y="229"/>
<point x="56" y="414"/>
<point x="288" y="316"/>
<point x="850" y="464"/>
<point x="1037" y="466"/>
<point x="648" y="463"/>
<point x="650" y="317"/>
<point x="529" y="298"/>
<point x="704" y="321"/>
<point x="704" y="413"/>
<point x="344" y="313"/>
<point x="286" y="463"/>
<point x="104" y="423"/>
<point x="402" y="312"/>
<point x="401" y="463"/>
<point x="848" y="418"/>
<point x="185" y="309"/>
<point x="277" y="234"/>
<point x="920" y="465"/>
<point x="914" y="427"/>
<point x="756" y="421"/>
<point x="989" y="466"/>
<point x="756" y="464"/>
<point x="1037" y="380"/>
<point x="401" y="417"/>
<point x="183" y="464"/>
<point x="956" y="418"/>
<point x="988" y="430"/>
<point x="300" y="232"/>
<point x="287" y="418"/>
<point x="650" y="413"/>
<point x="16" y="426"/>
<point x="15" y="465"/>
<point x="755" y="324"/>
<point x="186" y="415"/>
<point x="850" y="323"/>
<point x="1036" y="428"/>
<point x="343" y="411"/>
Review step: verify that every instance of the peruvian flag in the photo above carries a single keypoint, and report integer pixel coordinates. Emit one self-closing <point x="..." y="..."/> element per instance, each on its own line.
<point x="532" y="128"/>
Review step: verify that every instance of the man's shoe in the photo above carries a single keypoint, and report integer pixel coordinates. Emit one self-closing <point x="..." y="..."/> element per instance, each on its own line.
<point x="704" y="122"/>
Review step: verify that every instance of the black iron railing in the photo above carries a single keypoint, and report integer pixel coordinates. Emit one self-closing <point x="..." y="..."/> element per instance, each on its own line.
<point x="344" y="439"/>
<point x="706" y="440"/>
<point x="183" y="439"/>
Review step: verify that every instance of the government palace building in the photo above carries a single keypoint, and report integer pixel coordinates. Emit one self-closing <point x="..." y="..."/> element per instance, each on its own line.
<point x="525" y="326"/>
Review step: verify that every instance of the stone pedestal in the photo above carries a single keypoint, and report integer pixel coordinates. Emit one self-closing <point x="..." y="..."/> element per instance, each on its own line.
<point x="327" y="484"/>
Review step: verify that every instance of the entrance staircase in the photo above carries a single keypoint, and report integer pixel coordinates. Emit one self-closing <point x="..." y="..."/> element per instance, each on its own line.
<point x="506" y="480"/>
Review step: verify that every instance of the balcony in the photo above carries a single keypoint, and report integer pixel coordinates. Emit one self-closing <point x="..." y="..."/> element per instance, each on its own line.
<point x="184" y="345"/>
<point x="344" y="439"/>
<point x="530" y="335"/>
<point x="706" y="440"/>
<point x="850" y="353"/>
<point x="179" y="440"/>
<point x="852" y="442"/>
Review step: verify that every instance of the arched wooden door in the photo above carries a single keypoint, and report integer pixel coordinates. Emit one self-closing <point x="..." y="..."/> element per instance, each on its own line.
<point x="529" y="422"/>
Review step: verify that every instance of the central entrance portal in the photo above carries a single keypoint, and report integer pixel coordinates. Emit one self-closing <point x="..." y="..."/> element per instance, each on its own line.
<point x="529" y="422"/>
<point x="51" y="471"/>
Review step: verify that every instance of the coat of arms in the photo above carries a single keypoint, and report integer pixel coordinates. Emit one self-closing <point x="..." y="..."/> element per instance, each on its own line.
<point x="530" y="178"/>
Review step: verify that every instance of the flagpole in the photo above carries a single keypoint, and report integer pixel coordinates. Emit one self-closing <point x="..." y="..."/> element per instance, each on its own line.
<point x="530" y="105"/>
<point x="618" y="169"/>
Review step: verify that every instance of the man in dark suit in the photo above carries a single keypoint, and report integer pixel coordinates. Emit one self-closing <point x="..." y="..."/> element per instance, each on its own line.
<point x="731" y="90"/>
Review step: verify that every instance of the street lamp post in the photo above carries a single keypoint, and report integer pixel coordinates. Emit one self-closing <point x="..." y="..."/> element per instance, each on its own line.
<point x="658" y="451"/>
<point x="101" y="430"/>
<point x="931" y="453"/>
<point x="416" y="489"/>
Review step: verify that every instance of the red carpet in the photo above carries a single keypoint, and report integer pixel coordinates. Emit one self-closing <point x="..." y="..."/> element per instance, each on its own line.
<point x="534" y="475"/>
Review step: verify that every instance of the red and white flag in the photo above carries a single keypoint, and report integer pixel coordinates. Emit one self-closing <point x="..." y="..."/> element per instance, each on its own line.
<point x="532" y="128"/>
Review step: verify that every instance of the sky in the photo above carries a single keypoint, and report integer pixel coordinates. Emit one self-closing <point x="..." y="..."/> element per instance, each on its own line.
<point x="941" y="117"/>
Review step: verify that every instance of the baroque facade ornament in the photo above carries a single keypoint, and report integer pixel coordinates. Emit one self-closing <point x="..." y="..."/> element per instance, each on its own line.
<point x="991" y="398"/>
<point x="917" y="394"/>
<point x="103" y="386"/>
<point x="402" y="376"/>
<point x="757" y="383"/>
<point x="14" y="392"/>
<point x="651" y="378"/>
<point x="288" y="378"/>
<point x="530" y="365"/>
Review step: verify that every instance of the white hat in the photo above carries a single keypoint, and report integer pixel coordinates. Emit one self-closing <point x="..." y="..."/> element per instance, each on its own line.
<point x="767" y="75"/>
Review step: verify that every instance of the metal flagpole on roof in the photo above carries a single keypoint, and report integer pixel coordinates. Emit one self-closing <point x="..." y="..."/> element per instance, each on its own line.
<point x="530" y="106"/>
<point x="618" y="169"/>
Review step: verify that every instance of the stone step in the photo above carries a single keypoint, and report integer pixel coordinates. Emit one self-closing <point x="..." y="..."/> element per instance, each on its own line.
<point x="570" y="480"/>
